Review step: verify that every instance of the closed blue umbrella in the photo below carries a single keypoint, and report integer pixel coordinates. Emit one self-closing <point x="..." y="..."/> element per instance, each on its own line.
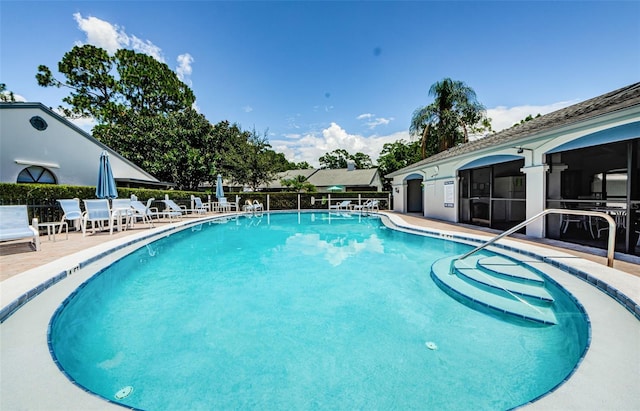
<point x="219" y="189"/>
<point x="106" y="187"/>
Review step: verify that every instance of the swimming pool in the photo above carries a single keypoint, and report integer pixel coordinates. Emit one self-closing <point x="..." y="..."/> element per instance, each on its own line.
<point x="302" y="311"/>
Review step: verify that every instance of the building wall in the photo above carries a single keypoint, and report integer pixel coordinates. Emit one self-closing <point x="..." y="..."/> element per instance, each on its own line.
<point x="66" y="151"/>
<point x="441" y="173"/>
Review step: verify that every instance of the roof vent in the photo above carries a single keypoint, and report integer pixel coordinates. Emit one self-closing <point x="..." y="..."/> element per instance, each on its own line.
<point x="351" y="165"/>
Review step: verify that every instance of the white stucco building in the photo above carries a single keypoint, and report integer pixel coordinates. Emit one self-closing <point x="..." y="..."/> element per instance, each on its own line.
<point x="38" y="145"/>
<point x="582" y="156"/>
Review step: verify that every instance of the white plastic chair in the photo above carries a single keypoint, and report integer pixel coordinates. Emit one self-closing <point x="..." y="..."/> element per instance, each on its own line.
<point x="96" y="212"/>
<point x="121" y="210"/>
<point x="72" y="212"/>
<point x="198" y="206"/>
<point x="14" y="225"/>
<point x="343" y="205"/>
<point x="144" y="212"/>
<point x="172" y="209"/>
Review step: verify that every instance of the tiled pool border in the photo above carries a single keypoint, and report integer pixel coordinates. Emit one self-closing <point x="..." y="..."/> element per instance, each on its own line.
<point x="612" y="292"/>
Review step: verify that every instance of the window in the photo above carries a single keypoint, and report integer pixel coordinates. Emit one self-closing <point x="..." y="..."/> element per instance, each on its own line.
<point x="36" y="174"/>
<point x="38" y="123"/>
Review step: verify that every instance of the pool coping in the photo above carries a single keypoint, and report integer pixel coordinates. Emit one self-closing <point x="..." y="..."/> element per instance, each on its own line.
<point x="617" y="293"/>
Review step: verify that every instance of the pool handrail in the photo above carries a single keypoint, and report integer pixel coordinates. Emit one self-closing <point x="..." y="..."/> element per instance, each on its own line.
<point x="610" y="245"/>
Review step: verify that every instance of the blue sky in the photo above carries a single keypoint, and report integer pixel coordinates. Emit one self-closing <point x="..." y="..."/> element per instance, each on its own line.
<point x="340" y="74"/>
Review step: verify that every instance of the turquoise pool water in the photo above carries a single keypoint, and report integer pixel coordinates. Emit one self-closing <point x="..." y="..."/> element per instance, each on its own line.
<point x="302" y="311"/>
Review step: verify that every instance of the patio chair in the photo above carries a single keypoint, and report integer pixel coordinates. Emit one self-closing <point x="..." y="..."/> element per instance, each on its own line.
<point x="172" y="209"/>
<point x="144" y="212"/>
<point x="14" y="225"/>
<point x="72" y="212"/>
<point x="96" y="212"/>
<point x="224" y="205"/>
<point x="257" y="206"/>
<point x="361" y="207"/>
<point x="198" y="206"/>
<point x="343" y="205"/>
<point x="121" y="210"/>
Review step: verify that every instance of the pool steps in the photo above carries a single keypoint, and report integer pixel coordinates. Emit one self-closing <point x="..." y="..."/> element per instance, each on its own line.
<point x="497" y="283"/>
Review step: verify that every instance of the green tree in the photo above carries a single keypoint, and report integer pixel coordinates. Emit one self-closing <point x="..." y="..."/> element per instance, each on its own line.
<point x="6" y="95"/>
<point x="339" y="158"/>
<point x="335" y="159"/>
<point x="362" y="161"/>
<point x="447" y="121"/>
<point x="181" y="147"/>
<point x="103" y="86"/>
<point x="251" y="161"/>
<point x="299" y="183"/>
<point x="303" y="165"/>
<point x="395" y="156"/>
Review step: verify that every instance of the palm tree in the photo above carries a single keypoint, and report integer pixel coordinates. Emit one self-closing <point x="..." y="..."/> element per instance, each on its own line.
<point x="447" y="121"/>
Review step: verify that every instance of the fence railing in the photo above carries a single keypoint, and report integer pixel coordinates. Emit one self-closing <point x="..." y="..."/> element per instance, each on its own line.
<point x="48" y="211"/>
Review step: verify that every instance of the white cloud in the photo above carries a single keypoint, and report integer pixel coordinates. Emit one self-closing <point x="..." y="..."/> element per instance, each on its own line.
<point x="247" y="109"/>
<point x="101" y="33"/>
<point x="184" y="68"/>
<point x="311" y="146"/>
<point x="373" y="120"/>
<point x="145" y="47"/>
<point x="504" y="117"/>
<point x="112" y="37"/>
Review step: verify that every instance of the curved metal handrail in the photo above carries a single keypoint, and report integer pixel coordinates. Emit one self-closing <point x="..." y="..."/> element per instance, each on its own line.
<point x="610" y="245"/>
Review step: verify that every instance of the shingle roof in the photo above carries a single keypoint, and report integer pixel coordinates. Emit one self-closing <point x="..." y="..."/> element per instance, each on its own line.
<point x="344" y="177"/>
<point x="329" y="177"/>
<point x="289" y="174"/>
<point x="607" y="103"/>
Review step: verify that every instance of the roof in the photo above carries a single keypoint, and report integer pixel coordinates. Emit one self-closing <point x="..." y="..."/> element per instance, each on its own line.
<point x="622" y="98"/>
<point x="330" y="177"/>
<point x="289" y="174"/>
<point x="344" y="177"/>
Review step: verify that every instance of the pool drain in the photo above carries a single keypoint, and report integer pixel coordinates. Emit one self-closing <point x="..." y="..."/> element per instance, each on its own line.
<point x="124" y="392"/>
<point x="431" y="345"/>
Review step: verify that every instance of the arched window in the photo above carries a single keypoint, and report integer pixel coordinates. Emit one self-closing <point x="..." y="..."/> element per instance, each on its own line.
<point x="36" y="174"/>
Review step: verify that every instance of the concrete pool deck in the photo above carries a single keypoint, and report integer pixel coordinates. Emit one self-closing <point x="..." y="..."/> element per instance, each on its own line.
<point x="605" y="379"/>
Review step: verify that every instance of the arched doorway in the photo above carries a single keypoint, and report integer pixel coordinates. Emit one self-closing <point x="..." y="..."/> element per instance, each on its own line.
<point x="414" y="193"/>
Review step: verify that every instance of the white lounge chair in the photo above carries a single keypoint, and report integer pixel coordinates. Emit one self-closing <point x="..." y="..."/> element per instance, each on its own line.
<point x="96" y="212"/>
<point x="14" y="225"/>
<point x="343" y="205"/>
<point x="198" y="206"/>
<point x="367" y="206"/>
<point x="144" y="212"/>
<point x="257" y="206"/>
<point x="72" y="212"/>
<point x="253" y="206"/>
<point x="172" y="209"/>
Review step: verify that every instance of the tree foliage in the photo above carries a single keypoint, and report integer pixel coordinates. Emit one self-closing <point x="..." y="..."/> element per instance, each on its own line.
<point x="252" y="162"/>
<point x="181" y="147"/>
<point x="299" y="184"/>
<point x="104" y="87"/>
<point x="450" y="118"/>
<point x="6" y="95"/>
<point x="397" y="155"/>
<point x="339" y="158"/>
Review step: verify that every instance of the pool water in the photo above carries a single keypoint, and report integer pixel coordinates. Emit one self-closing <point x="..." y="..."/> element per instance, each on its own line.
<point x="302" y="311"/>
